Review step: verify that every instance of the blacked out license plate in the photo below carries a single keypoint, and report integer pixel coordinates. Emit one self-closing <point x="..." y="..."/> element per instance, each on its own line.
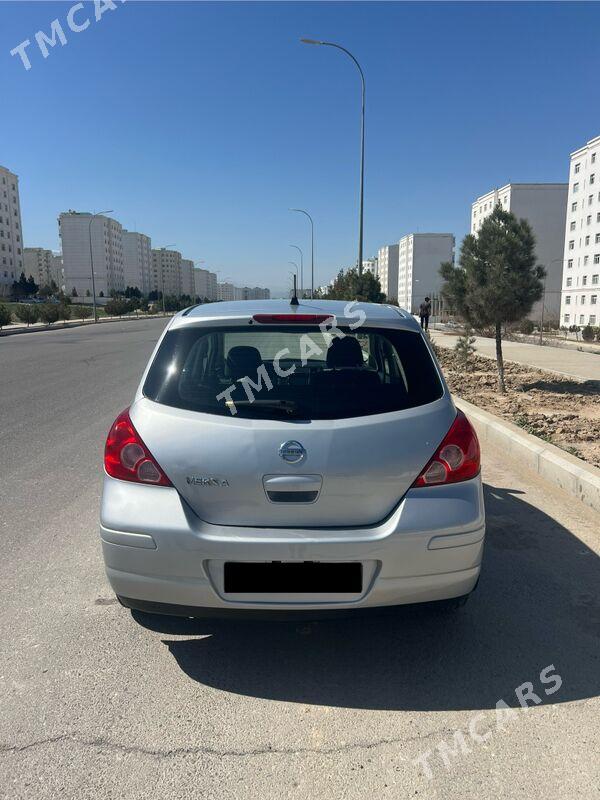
<point x="286" y="577"/>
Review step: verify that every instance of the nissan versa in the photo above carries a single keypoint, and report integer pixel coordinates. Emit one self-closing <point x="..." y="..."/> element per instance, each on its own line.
<point x="291" y="457"/>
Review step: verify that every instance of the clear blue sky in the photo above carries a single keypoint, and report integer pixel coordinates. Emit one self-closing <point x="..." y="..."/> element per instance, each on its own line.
<point x="202" y="123"/>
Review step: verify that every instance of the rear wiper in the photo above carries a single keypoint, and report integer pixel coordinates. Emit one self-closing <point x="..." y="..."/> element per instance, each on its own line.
<point x="287" y="406"/>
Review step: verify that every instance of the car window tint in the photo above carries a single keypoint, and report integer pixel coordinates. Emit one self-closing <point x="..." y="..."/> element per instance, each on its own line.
<point x="370" y="371"/>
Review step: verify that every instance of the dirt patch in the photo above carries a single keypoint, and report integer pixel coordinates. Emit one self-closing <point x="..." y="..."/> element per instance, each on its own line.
<point x="559" y="410"/>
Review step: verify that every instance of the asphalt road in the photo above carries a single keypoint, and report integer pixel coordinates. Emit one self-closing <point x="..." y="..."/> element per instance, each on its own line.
<point x="96" y="704"/>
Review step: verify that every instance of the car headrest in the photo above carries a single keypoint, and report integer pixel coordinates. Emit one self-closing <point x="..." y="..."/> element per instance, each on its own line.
<point x="345" y="352"/>
<point x="243" y="361"/>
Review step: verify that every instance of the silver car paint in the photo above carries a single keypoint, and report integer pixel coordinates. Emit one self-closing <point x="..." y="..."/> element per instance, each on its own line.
<point x="169" y="545"/>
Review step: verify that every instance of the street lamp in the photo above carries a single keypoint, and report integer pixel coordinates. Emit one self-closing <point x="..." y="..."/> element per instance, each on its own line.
<point x="362" y="142"/>
<point x="295" y="246"/>
<point x="312" y="249"/>
<point x="92" y="218"/>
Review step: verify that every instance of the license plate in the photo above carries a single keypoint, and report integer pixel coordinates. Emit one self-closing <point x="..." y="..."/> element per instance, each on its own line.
<point x="277" y="577"/>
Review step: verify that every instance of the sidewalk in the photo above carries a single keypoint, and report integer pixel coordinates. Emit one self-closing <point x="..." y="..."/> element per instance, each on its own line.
<point x="571" y="363"/>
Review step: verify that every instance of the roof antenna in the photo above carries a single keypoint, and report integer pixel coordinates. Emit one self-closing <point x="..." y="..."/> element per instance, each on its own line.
<point x="294" y="300"/>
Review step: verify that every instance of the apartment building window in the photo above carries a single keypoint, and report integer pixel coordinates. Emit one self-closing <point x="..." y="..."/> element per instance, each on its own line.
<point x="592" y="319"/>
<point x="568" y="300"/>
<point x="577" y="166"/>
<point x="572" y="245"/>
<point x="594" y="299"/>
<point x="593" y="159"/>
<point x="591" y="199"/>
<point x="597" y="258"/>
<point x="575" y="188"/>
<point x="589" y="219"/>
<point x="598" y="217"/>
<point x="585" y="260"/>
<point x="592" y="178"/>
<point x="574" y="206"/>
<point x="569" y="281"/>
<point x="587" y="240"/>
<point x="598" y="238"/>
<point x="582" y="300"/>
<point x="584" y="280"/>
<point x="567" y="317"/>
<point x="572" y="226"/>
<point x="581" y="319"/>
<point x="594" y="280"/>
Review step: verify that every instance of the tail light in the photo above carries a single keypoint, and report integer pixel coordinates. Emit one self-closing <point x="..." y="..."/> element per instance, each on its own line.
<point x="456" y="459"/>
<point x="126" y="456"/>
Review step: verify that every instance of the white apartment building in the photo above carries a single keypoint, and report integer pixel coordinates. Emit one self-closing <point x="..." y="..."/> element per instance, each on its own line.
<point x="370" y="265"/>
<point x="419" y="258"/>
<point x="257" y="293"/>
<point x="188" y="286"/>
<point x="137" y="260"/>
<point x="252" y="293"/>
<point x="387" y="261"/>
<point x="205" y="283"/>
<point x="544" y="206"/>
<point x="11" y="231"/>
<point x="39" y="263"/>
<point x="581" y="273"/>
<point x="75" y="230"/>
<point x="225" y="291"/>
<point x="57" y="271"/>
<point x="166" y="272"/>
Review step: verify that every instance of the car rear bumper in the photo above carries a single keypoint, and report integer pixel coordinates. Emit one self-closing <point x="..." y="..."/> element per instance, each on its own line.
<point x="157" y="551"/>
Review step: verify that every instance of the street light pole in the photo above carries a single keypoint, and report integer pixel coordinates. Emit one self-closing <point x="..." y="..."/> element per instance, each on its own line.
<point x="301" y="268"/>
<point x="362" y="143"/>
<point x="92" y="218"/>
<point x="312" y="249"/>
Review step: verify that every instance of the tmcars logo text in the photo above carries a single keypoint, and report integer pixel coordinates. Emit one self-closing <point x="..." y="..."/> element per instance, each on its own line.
<point x="77" y="20"/>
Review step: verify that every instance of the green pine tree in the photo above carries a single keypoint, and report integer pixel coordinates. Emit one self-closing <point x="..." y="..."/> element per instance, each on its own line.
<point x="349" y="285"/>
<point x="497" y="279"/>
<point x="465" y="348"/>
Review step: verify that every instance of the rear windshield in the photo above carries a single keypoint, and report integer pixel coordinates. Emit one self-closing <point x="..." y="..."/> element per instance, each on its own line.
<point x="302" y="373"/>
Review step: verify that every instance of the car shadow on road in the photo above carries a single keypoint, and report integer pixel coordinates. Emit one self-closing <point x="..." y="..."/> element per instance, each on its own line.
<point x="537" y="605"/>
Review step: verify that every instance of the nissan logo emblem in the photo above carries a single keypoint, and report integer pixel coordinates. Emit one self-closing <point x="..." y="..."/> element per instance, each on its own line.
<point x="292" y="452"/>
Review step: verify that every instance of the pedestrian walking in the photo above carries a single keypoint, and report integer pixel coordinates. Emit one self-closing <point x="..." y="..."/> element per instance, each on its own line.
<point x="424" y="313"/>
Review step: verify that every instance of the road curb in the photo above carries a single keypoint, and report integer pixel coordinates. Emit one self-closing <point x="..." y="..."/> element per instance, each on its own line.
<point x="61" y="326"/>
<point x="548" y="461"/>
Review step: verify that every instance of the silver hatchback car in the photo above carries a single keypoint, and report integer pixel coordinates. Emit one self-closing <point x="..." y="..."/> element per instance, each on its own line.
<point x="291" y="458"/>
